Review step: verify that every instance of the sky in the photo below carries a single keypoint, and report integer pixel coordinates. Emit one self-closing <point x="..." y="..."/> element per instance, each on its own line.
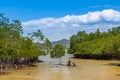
<point x="59" y="19"/>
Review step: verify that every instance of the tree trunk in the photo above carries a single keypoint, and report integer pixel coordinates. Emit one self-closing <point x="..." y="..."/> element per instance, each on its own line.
<point x="60" y="62"/>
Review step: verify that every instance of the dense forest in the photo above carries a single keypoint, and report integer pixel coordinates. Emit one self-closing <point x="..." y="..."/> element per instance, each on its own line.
<point x="96" y="45"/>
<point x="16" y="50"/>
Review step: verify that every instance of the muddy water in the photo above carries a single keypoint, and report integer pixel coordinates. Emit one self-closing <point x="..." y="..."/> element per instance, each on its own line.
<point x="85" y="70"/>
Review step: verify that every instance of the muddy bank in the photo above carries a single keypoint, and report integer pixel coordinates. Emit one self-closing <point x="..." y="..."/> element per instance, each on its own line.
<point x="85" y="70"/>
<point x="8" y="65"/>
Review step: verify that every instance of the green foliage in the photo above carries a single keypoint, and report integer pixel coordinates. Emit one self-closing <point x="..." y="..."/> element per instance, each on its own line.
<point x="14" y="45"/>
<point x="47" y="43"/>
<point x="57" y="52"/>
<point x="37" y="36"/>
<point x="96" y="42"/>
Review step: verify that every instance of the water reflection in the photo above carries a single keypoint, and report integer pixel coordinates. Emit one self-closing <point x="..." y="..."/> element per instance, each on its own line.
<point x="47" y="59"/>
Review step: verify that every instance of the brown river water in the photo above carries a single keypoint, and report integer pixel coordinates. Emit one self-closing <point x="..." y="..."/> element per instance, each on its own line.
<point x="85" y="70"/>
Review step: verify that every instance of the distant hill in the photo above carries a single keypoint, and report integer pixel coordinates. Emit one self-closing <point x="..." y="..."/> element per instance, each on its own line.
<point x="64" y="42"/>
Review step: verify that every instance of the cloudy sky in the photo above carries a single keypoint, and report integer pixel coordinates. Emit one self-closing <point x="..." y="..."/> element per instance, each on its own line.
<point x="59" y="19"/>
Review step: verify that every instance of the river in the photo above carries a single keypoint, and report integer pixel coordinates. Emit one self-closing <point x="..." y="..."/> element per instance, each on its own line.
<point x="85" y="70"/>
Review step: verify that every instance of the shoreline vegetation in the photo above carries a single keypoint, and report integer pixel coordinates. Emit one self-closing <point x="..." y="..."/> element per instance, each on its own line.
<point x="97" y="56"/>
<point x="96" y="45"/>
<point x="17" y="51"/>
<point x="8" y="65"/>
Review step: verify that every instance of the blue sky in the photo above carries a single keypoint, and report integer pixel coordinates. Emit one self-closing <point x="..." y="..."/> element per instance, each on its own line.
<point x="61" y="18"/>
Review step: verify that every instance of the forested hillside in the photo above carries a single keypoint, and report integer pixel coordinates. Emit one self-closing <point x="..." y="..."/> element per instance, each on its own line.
<point x="98" y="45"/>
<point x="64" y="42"/>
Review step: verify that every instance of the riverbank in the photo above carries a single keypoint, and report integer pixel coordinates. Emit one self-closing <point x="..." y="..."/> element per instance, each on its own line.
<point x="8" y="65"/>
<point x="86" y="69"/>
<point x="98" y="56"/>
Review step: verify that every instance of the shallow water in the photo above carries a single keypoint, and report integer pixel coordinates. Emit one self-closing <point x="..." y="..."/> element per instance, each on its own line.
<point x="85" y="70"/>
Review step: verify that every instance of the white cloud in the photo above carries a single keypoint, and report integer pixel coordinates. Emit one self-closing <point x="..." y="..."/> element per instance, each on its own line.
<point x="111" y="15"/>
<point x="64" y="27"/>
